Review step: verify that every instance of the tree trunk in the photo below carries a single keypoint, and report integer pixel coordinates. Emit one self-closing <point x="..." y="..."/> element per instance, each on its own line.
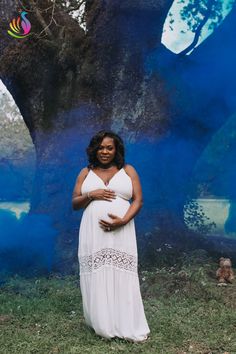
<point x="72" y="86"/>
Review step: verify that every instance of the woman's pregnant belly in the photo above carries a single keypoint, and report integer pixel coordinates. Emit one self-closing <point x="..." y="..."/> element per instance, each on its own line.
<point x="92" y="236"/>
<point x="101" y="208"/>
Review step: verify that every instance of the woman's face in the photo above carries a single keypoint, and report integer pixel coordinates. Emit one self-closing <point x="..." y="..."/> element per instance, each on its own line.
<point x="106" y="151"/>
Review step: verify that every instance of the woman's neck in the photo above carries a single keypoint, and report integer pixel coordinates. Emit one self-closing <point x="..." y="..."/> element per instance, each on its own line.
<point x="105" y="167"/>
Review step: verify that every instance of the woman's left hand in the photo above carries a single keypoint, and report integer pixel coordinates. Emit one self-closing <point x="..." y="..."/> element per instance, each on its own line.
<point x="110" y="226"/>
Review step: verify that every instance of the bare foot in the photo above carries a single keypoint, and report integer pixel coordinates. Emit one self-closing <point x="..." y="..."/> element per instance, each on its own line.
<point x="138" y="341"/>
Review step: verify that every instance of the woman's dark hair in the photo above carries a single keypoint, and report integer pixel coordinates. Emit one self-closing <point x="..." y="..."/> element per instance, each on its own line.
<point x="95" y="142"/>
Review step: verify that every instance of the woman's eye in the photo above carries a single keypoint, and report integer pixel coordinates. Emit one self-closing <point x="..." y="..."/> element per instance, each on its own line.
<point x="101" y="148"/>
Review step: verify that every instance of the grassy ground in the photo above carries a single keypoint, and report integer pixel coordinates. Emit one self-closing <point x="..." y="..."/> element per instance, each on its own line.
<point x="187" y="313"/>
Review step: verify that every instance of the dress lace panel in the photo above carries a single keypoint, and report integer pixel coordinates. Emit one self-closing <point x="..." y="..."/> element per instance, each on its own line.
<point x="108" y="256"/>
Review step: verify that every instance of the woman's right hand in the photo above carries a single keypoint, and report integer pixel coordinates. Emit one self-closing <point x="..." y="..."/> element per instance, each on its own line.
<point x="103" y="194"/>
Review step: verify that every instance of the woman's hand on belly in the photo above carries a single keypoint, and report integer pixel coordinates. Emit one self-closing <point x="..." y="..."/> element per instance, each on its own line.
<point x="103" y="194"/>
<point x="110" y="226"/>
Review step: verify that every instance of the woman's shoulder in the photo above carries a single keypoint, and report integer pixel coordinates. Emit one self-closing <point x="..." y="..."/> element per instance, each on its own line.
<point x="130" y="170"/>
<point x="83" y="172"/>
<point x="128" y="167"/>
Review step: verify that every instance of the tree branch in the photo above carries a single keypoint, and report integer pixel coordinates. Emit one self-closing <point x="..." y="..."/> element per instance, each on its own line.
<point x="41" y="19"/>
<point x="198" y="30"/>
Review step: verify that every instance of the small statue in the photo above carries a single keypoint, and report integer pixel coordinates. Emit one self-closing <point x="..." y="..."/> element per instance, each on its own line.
<point x="225" y="273"/>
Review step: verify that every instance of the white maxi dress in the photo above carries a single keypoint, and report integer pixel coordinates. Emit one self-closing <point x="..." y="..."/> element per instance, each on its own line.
<point x="108" y="260"/>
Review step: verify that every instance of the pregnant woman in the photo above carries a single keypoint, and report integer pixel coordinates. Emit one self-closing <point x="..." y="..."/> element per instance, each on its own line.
<point x="107" y="253"/>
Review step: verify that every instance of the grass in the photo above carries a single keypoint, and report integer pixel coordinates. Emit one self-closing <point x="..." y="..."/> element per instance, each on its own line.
<point x="186" y="311"/>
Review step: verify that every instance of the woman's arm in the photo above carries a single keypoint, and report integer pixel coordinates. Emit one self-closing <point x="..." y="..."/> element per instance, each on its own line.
<point x="78" y="200"/>
<point x="137" y="198"/>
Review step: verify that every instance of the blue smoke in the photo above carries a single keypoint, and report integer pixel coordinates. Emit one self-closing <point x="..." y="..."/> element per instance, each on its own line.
<point x="26" y="244"/>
